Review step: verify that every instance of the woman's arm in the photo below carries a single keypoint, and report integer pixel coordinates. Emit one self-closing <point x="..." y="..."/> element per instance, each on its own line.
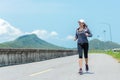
<point x="76" y="36"/>
<point x="88" y="33"/>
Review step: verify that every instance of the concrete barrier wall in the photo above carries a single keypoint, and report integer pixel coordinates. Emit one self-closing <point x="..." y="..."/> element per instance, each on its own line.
<point x="21" y="56"/>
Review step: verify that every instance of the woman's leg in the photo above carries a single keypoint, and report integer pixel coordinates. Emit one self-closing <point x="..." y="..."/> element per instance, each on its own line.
<point x="86" y="61"/>
<point x="86" y="46"/>
<point x="80" y="55"/>
<point x="80" y="63"/>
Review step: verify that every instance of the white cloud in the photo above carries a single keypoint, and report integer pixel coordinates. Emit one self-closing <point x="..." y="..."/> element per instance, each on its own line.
<point x="5" y="27"/>
<point x="70" y="37"/>
<point x="44" y="34"/>
<point x="53" y="33"/>
<point x="7" y="31"/>
<point x="40" y="33"/>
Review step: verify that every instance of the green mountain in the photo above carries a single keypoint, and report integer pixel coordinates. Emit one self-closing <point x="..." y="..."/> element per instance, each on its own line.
<point x="101" y="45"/>
<point x="29" y="41"/>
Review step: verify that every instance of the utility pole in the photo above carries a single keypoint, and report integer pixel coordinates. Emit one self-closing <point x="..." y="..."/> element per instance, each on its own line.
<point x="104" y="32"/>
<point x="109" y="26"/>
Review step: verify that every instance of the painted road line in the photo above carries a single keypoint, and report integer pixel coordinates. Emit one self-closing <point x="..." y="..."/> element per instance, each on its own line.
<point x="41" y="72"/>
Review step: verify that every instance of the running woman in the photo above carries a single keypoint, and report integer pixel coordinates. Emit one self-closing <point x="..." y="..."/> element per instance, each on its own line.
<point x="82" y="33"/>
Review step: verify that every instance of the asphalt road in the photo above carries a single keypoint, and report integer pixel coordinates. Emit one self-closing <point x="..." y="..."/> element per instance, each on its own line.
<point x="102" y="67"/>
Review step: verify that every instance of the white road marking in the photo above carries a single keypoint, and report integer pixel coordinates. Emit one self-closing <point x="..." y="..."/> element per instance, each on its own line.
<point x="41" y="72"/>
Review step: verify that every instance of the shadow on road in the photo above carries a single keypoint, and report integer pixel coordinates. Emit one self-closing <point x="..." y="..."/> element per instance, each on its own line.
<point x="88" y="72"/>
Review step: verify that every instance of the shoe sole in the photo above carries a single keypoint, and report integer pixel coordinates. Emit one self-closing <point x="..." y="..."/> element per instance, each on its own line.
<point x="80" y="73"/>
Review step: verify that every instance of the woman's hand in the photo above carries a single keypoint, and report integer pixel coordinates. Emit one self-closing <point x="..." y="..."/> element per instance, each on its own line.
<point x="75" y="39"/>
<point x="86" y="34"/>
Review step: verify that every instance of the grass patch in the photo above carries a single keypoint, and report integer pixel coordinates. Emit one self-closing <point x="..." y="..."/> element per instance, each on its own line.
<point x="116" y="55"/>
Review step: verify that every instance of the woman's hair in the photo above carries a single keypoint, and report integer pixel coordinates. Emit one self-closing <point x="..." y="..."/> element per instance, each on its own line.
<point x="85" y="26"/>
<point x="82" y="21"/>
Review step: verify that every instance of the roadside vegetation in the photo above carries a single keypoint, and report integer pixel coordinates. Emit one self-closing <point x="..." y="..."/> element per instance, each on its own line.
<point x="115" y="55"/>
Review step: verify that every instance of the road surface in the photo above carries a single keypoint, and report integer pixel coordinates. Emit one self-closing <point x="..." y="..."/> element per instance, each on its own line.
<point x="102" y="67"/>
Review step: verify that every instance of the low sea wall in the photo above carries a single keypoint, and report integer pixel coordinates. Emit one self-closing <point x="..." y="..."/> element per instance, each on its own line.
<point x="22" y="56"/>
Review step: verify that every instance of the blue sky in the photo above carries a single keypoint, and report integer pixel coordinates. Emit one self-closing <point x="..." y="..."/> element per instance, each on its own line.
<point x="56" y="20"/>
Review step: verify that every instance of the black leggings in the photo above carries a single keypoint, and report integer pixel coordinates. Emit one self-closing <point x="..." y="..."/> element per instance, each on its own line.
<point x="82" y="47"/>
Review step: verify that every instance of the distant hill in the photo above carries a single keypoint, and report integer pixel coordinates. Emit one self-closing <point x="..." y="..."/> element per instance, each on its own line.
<point x="32" y="41"/>
<point x="101" y="45"/>
<point x="29" y="41"/>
